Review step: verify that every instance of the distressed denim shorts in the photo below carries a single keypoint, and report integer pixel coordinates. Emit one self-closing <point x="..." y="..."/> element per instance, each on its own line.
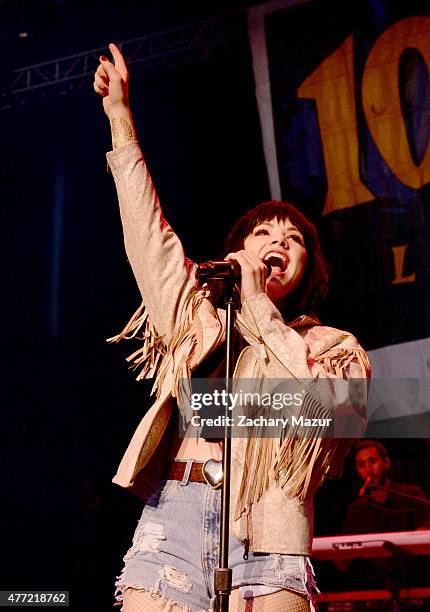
<point x="175" y="552"/>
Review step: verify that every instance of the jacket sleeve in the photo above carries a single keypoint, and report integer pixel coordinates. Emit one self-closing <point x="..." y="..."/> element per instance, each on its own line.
<point x="164" y="275"/>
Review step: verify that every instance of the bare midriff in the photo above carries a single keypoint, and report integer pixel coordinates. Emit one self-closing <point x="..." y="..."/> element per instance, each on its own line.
<point x="192" y="447"/>
<point x="195" y="448"/>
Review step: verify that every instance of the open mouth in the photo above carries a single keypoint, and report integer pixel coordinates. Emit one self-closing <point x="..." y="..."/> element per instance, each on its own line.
<point x="276" y="260"/>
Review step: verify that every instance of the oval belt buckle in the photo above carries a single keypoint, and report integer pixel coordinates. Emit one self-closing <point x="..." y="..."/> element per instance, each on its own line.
<point x="212" y="473"/>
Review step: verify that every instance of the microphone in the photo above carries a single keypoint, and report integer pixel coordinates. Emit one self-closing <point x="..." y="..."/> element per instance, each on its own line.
<point x="219" y="269"/>
<point x="366" y="483"/>
<point x="223" y="270"/>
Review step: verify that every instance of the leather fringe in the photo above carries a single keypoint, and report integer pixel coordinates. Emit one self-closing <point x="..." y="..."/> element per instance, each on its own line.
<point x="149" y="356"/>
<point x="299" y="464"/>
<point x="155" y="359"/>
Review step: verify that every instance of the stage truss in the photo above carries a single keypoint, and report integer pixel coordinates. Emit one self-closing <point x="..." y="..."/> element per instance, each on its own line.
<point x="181" y="45"/>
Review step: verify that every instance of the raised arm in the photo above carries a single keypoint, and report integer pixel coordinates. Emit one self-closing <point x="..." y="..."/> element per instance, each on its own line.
<point x="111" y="82"/>
<point x="164" y="276"/>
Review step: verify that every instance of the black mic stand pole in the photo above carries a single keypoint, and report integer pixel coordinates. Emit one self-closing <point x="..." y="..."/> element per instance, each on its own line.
<point x="223" y="574"/>
<point x="229" y="272"/>
<point x="414" y="498"/>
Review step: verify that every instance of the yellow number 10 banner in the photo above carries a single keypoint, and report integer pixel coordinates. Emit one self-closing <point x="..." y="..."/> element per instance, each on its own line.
<point x="343" y="94"/>
<point x="331" y="85"/>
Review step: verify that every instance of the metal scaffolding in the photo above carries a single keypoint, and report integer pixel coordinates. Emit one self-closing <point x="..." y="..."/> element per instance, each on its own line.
<point x="183" y="44"/>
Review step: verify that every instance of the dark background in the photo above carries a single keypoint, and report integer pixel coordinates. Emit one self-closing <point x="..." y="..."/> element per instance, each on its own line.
<point x="69" y="405"/>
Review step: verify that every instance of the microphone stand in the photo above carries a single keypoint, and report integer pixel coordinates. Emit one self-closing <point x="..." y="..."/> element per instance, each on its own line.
<point x="413" y="498"/>
<point x="223" y="574"/>
<point x="229" y="272"/>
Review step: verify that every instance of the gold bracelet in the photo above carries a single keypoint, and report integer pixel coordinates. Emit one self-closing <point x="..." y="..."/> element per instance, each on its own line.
<point x="121" y="131"/>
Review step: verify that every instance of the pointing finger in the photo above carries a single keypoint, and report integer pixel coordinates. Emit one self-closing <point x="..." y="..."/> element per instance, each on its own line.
<point x="118" y="59"/>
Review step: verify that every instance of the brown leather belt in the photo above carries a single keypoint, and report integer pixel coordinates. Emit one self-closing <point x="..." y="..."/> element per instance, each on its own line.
<point x="175" y="470"/>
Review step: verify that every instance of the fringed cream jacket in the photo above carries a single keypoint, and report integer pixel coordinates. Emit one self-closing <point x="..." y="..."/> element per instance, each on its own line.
<point x="273" y="480"/>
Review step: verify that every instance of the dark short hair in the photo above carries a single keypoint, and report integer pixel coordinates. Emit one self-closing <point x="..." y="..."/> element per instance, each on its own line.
<point x="371" y="444"/>
<point x="313" y="286"/>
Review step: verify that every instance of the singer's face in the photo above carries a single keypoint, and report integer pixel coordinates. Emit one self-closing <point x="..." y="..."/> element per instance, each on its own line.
<point x="283" y="245"/>
<point x="369" y="463"/>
